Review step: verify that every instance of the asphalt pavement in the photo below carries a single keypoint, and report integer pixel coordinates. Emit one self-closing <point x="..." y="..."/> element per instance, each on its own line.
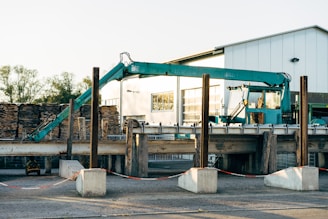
<point x="50" y="196"/>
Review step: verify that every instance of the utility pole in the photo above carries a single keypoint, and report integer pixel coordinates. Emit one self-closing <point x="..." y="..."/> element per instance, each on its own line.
<point x="304" y="121"/>
<point x="70" y="130"/>
<point x="205" y="113"/>
<point x="94" y="119"/>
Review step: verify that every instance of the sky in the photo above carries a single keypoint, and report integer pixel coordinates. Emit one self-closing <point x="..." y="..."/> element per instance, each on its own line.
<point x="76" y="35"/>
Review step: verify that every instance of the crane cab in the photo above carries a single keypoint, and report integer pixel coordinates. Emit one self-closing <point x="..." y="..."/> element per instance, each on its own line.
<point x="254" y="105"/>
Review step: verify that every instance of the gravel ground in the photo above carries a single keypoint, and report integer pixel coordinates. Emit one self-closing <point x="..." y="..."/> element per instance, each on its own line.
<point x="50" y="196"/>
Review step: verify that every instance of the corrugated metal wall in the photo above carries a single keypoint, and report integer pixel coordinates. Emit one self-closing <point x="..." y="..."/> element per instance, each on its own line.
<point x="274" y="53"/>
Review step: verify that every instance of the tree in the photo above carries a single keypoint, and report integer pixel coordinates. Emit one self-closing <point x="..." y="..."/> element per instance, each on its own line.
<point x="19" y="84"/>
<point x="60" y="89"/>
<point x="7" y="86"/>
<point x="85" y="84"/>
<point x="27" y="85"/>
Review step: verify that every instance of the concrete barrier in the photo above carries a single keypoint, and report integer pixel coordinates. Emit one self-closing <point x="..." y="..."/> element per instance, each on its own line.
<point x="294" y="178"/>
<point x="91" y="182"/>
<point x="69" y="169"/>
<point x="199" y="180"/>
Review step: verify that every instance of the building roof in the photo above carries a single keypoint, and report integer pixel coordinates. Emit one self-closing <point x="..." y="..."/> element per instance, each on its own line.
<point x="219" y="50"/>
<point x="193" y="57"/>
<point x="273" y="35"/>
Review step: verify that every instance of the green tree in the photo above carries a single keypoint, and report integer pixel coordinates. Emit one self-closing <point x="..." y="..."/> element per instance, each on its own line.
<point x="6" y="86"/>
<point x="19" y="84"/>
<point x="85" y="84"/>
<point x="27" y="84"/>
<point x="60" y="89"/>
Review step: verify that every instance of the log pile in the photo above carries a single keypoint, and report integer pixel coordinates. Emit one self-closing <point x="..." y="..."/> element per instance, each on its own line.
<point x="28" y="119"/>
<point x="85" y="112"/>
<point x="8" y="120"/>
<point x="48" y="113"/>
<point x="64" y="126"/>
<point x="110" y="118"/>
<point x="17" y="121"/>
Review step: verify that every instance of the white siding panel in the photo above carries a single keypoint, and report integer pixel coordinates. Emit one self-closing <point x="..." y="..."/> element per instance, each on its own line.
<point x="276" y="53"/>
<point x="300" y="52"/>
<point x="252" y="55"/>
<point x="239" y="56"/>
<point x="322" y="61"/>
<point x="310" y="65"/>
<point x="228" y="57"/>
<point x="287" y="54"/>
<point x="264" y="55"/>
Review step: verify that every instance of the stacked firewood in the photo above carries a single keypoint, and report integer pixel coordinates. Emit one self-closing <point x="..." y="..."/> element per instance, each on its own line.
<point x="8" y="120"/>
<point x="64" y="126"/>
<point x="110" y="120"/>
<point x="85" y="112"/>
<point x="18" y="121"/>
<point x="28" y="119"/>
<point x="48" y="113"/>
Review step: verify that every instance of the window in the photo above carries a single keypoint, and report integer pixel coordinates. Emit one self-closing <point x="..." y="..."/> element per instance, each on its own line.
<point x="192" y="104"/>
<point x="261" y="99"/>
<point x="162" y="101"/>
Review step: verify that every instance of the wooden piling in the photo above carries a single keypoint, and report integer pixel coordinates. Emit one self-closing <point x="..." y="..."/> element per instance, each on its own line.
<point x="205" y="120"/>
<point x="273" y="154"/>
<point x="197" y="151"/>
<point x="304" y="121"/>
<point x="82" y="128"/>
<point x="269" y="153"/>
<point x="94" y="119"/>
<point x="70" y="129"/>
<point x="142" y="154"/>
<point x="130" y="155"/>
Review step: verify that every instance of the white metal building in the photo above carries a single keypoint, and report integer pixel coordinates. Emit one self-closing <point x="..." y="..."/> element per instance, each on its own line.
<point x="170" y="100"/>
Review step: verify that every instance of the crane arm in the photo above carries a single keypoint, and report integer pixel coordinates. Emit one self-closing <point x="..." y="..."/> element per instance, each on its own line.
<point x="115" y="74"/>
<point x="144" y="69"/>
<point x="154" y="69"/>
<point x="271" y="79"/>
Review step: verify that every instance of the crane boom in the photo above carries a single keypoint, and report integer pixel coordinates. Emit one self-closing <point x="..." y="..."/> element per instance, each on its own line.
<point x="115" y="74"/>
<point x="271" y="79"/>
<point x="144" y="69"/>
<point x="155" y="69"/>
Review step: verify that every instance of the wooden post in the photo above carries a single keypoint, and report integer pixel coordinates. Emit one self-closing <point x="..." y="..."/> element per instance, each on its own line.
<point x="142" y="154"/>
<point x="197" y="151"/>
<point x="48" y="164"/>
<point x="297" y="135"/>
<point x="304" y="121"/>
<point x="70" y="129"/>
<point x="110" y="162"/>
<point x="104" y="128"/>
<point x="266" y="152"/>
<point x="205" y="114"/>
<point x="82" y="129"/>
<point x="273" y="154"/>
<point x="94" y="119"/>
<point x="130" y="155"/>
<point x="119" y="163"/>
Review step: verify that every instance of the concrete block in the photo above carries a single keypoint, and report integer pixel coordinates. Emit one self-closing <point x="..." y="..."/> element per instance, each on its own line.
<point x="91" y="182"/>
<point x="199" y="180"/>
<point x="295" y="178"/>
<point x="69" y="169"/>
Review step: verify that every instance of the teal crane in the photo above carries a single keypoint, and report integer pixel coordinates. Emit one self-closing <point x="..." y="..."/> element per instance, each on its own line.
<point x="275" y="81"/>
